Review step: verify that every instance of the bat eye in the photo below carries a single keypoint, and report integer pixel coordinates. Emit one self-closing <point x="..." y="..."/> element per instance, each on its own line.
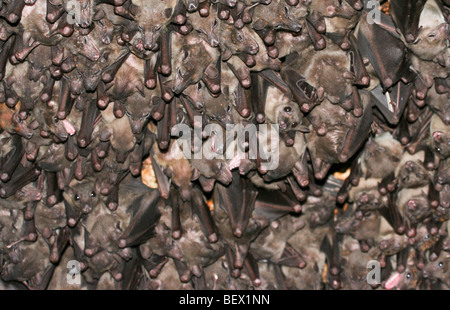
<point x="294" y="124"/>
<point x="427" y="237"/>
<point x="55" y="120"/>
<point x="408" y="275"/>
<point x="93" y="194"/>
<point x="440" y="265"/>
<point x="288" y="110"/>
<point x="146" y="115"/>
<point x="199" y="86"/>
<point x="77" y="197"/>
<point x="215" y="23"/>
<point x="239" y="37"/>
<point x="438" y="149"/>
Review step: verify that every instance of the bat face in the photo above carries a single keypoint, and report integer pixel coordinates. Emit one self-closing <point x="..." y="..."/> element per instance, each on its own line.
<point x="440" y="138"/>
<point x="405" y="280"/>
<point x="369" y="200"/>
<point x="82" y="195"/>
<point x="278" y="13"/>
<point x="412" y="174"/>
<point x="360" y="227"/>
<point x="386" y="150"/>
<point x="424" y="240"/>
<point x="11" y="123"/>
<point x="218" y="108"/>
<point x="321" y="214"/>
<point x="237" y="41"/>
<point x="149" y="20"/>
<point x="439" y="269"/>
<point x="414" y="205"/>
<point x="432" y="37"/>
<point x="84" y="45"/>
<point x="354" y="271"/>
<point x="281" y="110"/>
<point x="138" y="112"/>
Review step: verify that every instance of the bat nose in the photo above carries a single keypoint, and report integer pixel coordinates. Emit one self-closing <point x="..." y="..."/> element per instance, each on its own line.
<point x="121" y="157"/>
<point x="412" y="205"/>
<point x="136" y="128"/>
<point x="338" y="228"/>
<point x="90" y="85"/>
<point x="185" y="194"/>
<point x="409" y="165"/>
<point x="447" y="118"/>
<point x="148" y="44"/>
<point x="214" y="42"/>
<point x="296" y="27"/>
<point x="384" y="244"/>
<point x="192" y="6"/>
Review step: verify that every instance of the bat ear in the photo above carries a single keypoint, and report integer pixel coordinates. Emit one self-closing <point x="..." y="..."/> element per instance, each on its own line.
<point x="97" y="186"/>
<point x="169" y="172"/>
<point x="226" y="54"/>
<point x="303" y="128"/>
<point x="325" y="247"/>
<point x="195" y="174"/>
<point x="68" y="190"/>
<point x="168" y="12"/>
<point x="100" y="14"/>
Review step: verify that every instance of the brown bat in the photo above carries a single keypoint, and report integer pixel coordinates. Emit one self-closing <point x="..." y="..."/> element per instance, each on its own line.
<point x="390" y="67"/>
<point x="191" y="55"/>
<point x="32" y="266"/>
<point x="325" y="148"/>
<point x="143" y="33"/>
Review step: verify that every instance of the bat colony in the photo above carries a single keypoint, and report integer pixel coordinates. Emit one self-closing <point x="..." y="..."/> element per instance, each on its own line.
<point x="90" y="91"/>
